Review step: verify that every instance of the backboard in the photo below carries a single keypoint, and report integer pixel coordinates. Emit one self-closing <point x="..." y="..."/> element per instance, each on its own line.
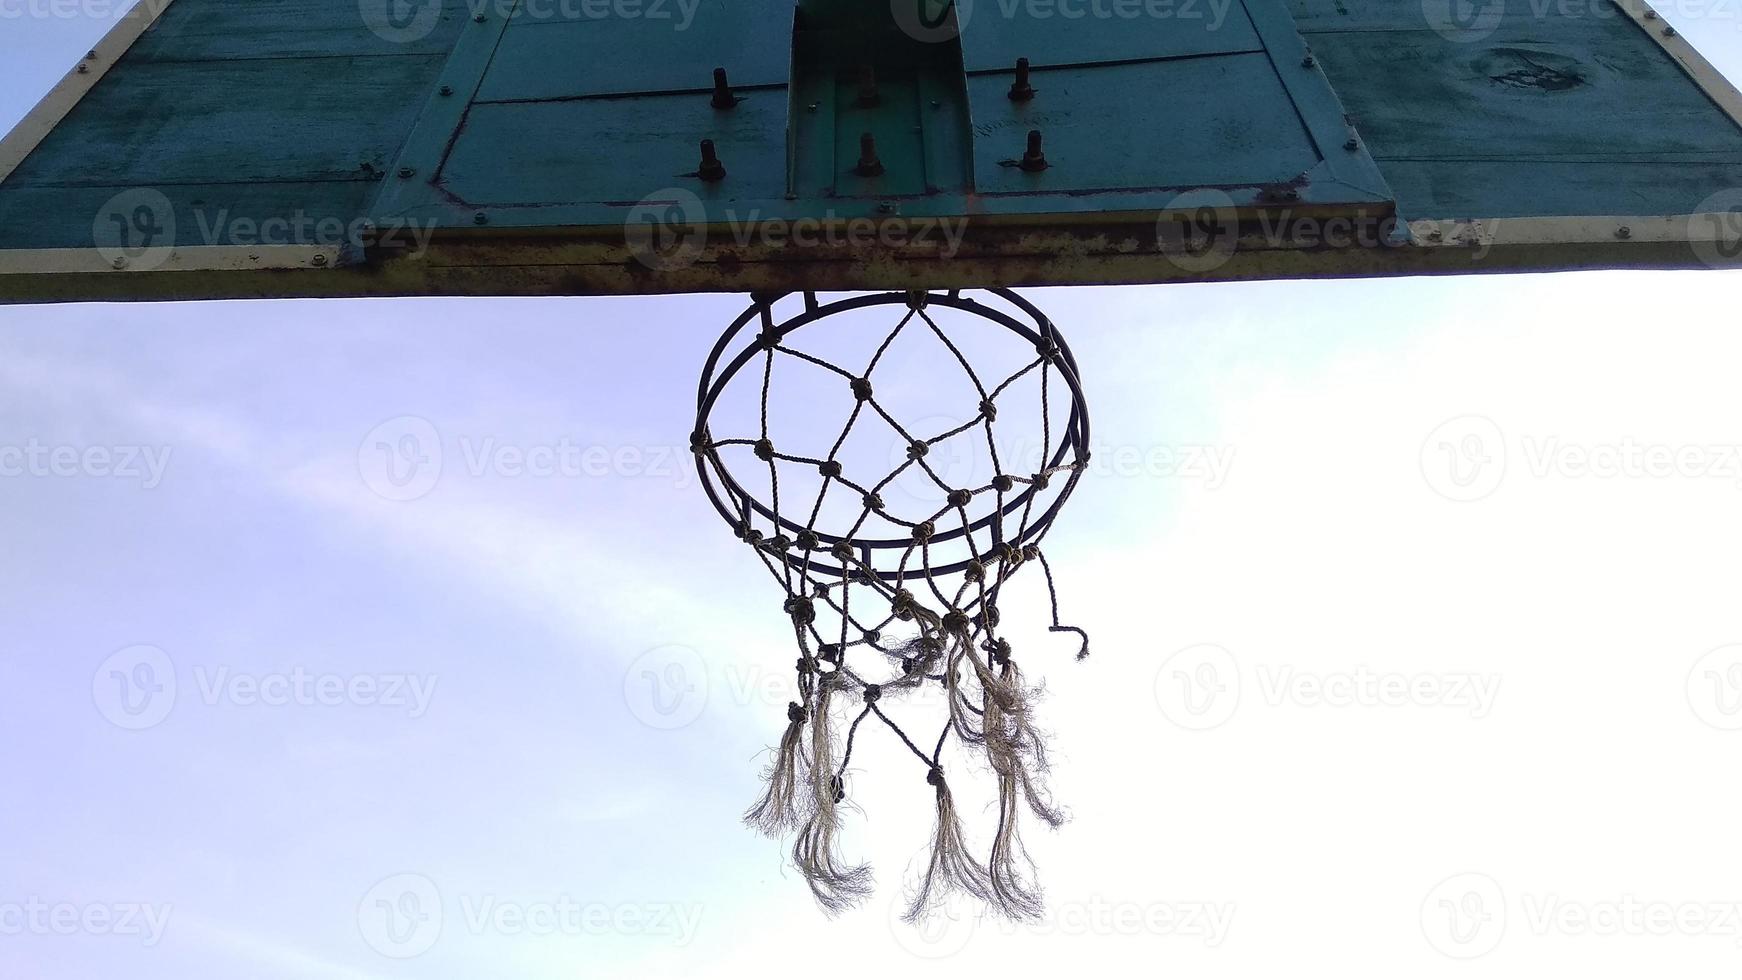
<point x="215" y="148"/>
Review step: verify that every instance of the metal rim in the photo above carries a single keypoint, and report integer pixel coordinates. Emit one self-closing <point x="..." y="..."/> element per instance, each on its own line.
<point x="735" y="504"/>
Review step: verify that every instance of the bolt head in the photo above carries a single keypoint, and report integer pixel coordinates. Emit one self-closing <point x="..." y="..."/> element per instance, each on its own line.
<point x="406" y="173"/>
<point x="480" y="218"/>
<point x="319" y="260"/>
<point x="119" y="263"/>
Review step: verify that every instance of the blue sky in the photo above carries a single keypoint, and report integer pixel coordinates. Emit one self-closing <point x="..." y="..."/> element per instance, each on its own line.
<point x="1362" y="694"/>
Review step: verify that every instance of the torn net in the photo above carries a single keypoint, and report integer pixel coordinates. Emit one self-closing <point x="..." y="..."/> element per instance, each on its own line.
<point x="877" y="619"/>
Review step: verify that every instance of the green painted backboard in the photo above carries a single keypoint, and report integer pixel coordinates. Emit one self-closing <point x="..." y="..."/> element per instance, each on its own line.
<point x="219" y="148"/>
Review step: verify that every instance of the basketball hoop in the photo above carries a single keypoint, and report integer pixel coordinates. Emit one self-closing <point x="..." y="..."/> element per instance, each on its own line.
<point x="889" y="602"/>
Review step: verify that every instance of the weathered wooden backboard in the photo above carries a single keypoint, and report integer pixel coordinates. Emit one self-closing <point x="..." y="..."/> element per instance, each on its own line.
<point x="242" y="148"/>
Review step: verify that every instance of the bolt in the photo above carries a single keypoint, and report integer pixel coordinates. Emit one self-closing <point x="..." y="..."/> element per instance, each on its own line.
<point x="1651" y="15"/>
<point x="1033" y="160"/>
<point x="868" y="86"/>
<point x="406" y="173"/>
<point x="91" y="54"/>
<point x="885" y="208"/>
<point x="1020" y="90"/>
<point x="480" y="218"/>
<point x="119" y="263"/>
<point x="84" y="69"/>
<point x="811" y="108"/>
<point x="712" y="168"/>
<point x="1351" y="144"/>
<point x="1309" y="61"/>
<point x="723" y="98"/>
<point x="869" y="165"/>
<point x="319" y="260"/>
<point x="1624" y="232"/>
<point x="1669" y="32"/>
<point x="479" y="19"/>
<point x="447" y="90"/>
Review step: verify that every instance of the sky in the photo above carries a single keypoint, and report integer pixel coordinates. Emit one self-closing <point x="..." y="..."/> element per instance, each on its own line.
<point x="1412" y="604"/>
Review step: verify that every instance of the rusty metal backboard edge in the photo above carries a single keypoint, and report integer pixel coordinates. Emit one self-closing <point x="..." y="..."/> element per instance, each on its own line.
<point x="536" y="266"/>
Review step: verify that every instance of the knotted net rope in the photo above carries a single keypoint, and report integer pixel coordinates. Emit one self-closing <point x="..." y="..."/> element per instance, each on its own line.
<point x="878" y="619"/>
